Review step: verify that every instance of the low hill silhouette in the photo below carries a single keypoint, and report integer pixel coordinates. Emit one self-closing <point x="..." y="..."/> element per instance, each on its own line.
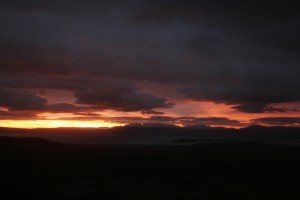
<point x="33" y="169"/>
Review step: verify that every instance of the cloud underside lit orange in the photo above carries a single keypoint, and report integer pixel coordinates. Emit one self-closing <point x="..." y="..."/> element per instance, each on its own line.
<point x="184" y="113"/>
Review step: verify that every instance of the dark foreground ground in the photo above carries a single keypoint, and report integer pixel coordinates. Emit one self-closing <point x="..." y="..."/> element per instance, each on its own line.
<point x="39" y="169"/>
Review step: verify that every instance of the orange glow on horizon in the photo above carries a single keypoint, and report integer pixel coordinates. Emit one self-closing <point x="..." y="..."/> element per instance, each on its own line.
<point x="29" y="124"/>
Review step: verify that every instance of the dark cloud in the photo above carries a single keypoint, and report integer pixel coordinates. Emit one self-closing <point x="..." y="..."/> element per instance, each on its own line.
<point x="66" y="107"/>
<point x="17" y="115"/>
<point x="269" y="24"/>
<point x="64" y="7"/>
<point x="123" y="97"/>
<point x="20" y="57"/>
<point x="241" y="13"/>
<point x="26" y="103"/>
<point x="153" y="112"/>
<point x="92" y="93"/>
<point x="279" y="121"/>
<point x="15" y="99"/>
<point x="249" y="99"/>
<point x="28" y="57"/>
<point x="245" y="51"/>
<point x="257" y="108"/>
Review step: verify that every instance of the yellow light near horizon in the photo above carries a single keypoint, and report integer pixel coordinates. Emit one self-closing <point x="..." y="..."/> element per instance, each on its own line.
<point x="56" y="124"/>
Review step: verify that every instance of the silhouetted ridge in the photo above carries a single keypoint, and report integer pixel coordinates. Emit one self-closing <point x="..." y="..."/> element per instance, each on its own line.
<point x="152" y="125"/>
<point x="253" y="127"/>
<point x="202" y="127"/>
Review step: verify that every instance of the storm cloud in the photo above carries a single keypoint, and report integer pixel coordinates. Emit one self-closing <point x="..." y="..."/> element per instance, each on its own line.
<point x="278" y="121"/>
<point x="243" y="54"/>
<point x="64" y="7"/>
<point x="122" y="98"/>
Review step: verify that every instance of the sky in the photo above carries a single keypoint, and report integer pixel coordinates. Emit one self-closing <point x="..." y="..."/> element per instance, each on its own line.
<point x="96" y="63"/>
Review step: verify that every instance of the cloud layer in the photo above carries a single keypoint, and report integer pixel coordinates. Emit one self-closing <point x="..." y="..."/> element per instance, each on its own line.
<point x="242" y="54"/>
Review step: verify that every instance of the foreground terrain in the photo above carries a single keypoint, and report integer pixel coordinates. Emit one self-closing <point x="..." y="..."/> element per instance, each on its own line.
<point x="39" y="169"/>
